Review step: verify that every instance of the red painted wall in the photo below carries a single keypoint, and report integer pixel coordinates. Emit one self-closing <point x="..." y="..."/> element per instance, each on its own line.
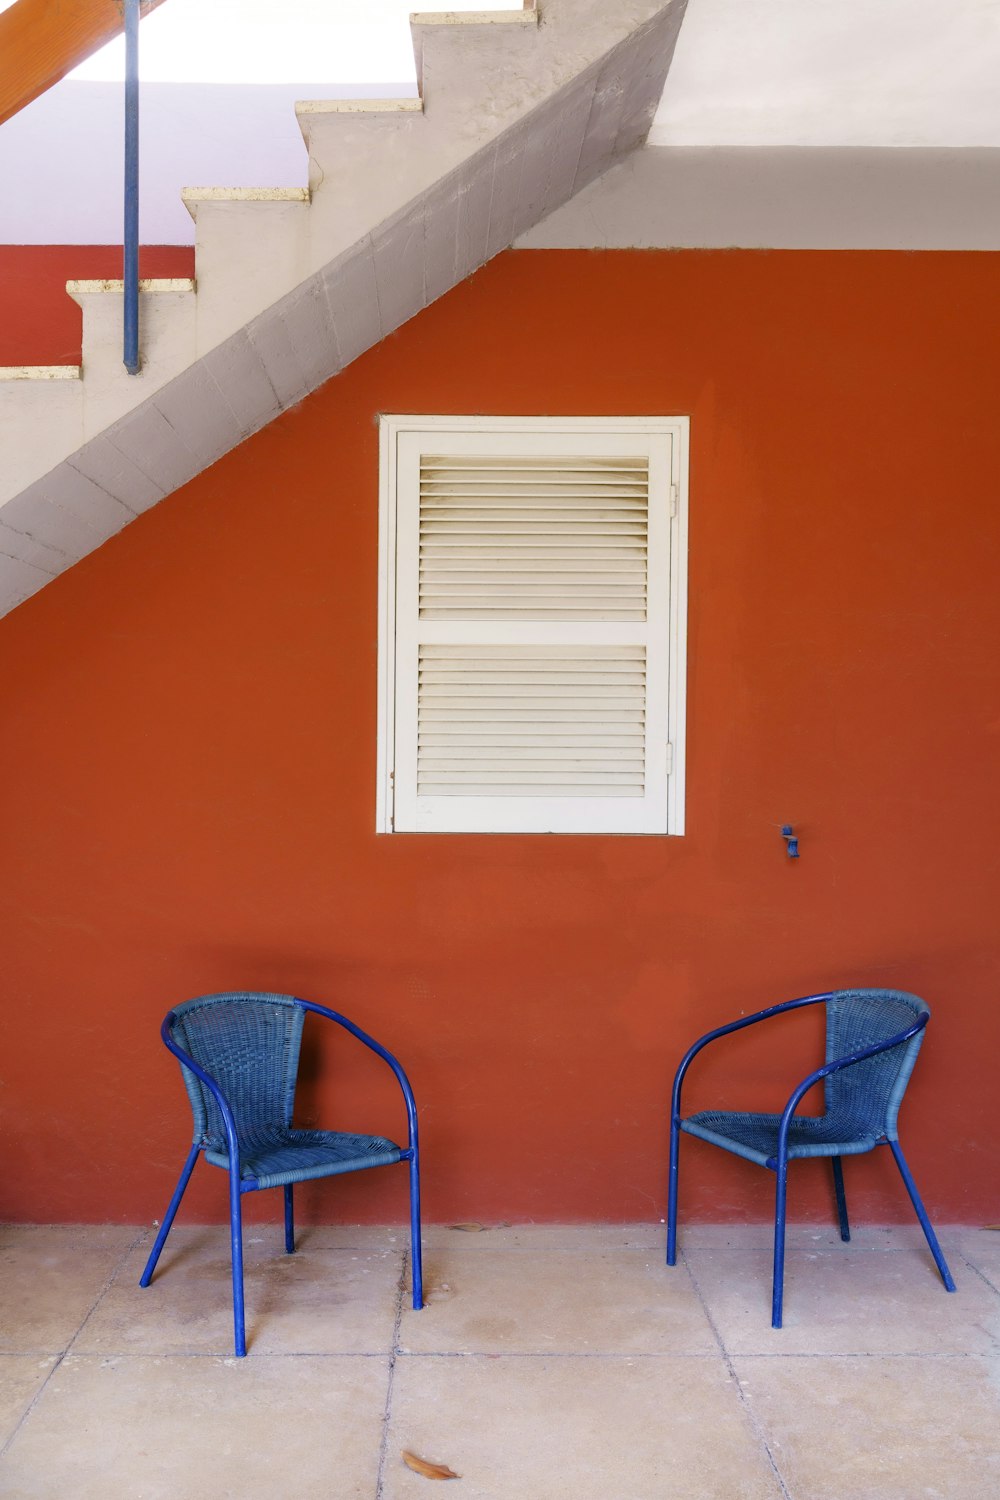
<point x="189" y="755"/>
<point x="39" y="324"/>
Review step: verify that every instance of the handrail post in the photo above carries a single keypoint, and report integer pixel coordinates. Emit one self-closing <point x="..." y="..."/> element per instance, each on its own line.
<point x="131" y="234"/>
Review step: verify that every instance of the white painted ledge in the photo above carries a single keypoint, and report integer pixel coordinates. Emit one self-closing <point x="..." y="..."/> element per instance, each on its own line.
<point x="78" y="289"/>
<point x="195" y="197"/>
<point x="526" y="17"/>
<point x="245" y="194"/>
<point x="411" y="104"/>
<point x="40" y="372"/>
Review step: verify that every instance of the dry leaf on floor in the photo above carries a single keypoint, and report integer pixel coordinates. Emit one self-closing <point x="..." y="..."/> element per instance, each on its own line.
<point x="991" y="1226"/>
<point x="468" y="1228"/>
<point x="428" y="1470"/>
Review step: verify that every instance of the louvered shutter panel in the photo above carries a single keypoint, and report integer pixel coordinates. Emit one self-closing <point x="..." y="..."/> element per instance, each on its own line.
<point x="532" y="583"/>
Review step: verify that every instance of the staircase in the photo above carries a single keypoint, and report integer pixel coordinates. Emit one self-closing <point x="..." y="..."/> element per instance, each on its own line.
<point x="518" y="110"/>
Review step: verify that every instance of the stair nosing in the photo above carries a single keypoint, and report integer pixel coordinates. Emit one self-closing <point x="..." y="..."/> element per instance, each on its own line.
<point x="111" y="284"/>
<point x="526" y="17"/>
<point x="245" y="194"/>
<point x="41" y="372"/>
<point x="407" y="105"/>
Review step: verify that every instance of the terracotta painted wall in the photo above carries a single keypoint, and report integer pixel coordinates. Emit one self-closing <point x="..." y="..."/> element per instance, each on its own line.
<point x="39" y="324"/>
<point x="188" y="765"/>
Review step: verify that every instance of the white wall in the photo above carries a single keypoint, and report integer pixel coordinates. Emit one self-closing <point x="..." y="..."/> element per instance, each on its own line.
<point x="747" y="74"/>
<point x="62" y="163"/>
<point x="834" y="73"/>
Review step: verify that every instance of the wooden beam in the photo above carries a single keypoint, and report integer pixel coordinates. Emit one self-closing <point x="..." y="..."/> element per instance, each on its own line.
<point x="43" y="40"/>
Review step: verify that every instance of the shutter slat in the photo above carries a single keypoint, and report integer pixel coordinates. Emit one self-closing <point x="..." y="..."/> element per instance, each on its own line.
<point x="490" y="789"/>
<point x="553" y="616"/>
<point x="499" y="537"/>
<point x="497" y="677"/>
<point x="531" y="721"/>
<point x="583" y="655"/>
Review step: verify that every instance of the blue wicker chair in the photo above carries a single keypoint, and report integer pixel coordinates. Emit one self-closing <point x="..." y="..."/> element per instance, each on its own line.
<point x="239" y="1056"/>
<point x="872" y="1041"/>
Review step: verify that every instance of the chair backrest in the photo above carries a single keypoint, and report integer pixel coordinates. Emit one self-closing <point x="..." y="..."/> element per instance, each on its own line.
<point x="249" y="1043"/>
<point x="869" y="1093"/>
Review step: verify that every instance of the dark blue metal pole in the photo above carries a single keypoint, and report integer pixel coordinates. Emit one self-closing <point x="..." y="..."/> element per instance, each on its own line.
<point x="131" y="268"/>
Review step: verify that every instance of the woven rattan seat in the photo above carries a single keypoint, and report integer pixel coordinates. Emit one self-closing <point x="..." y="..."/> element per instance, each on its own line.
<point x="239" y="1056"/>
<point x="272" y="1156"/>
<point x="755" y="1137"/>
<point x="872" y="1041"/>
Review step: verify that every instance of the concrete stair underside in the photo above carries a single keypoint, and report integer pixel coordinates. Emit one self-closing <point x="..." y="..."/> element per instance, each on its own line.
<point x="518" y="111"/>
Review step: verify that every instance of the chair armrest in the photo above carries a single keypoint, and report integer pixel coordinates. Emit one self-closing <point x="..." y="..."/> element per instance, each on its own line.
<point x="712" y="1036"/>
<point x="834" y="1067"/>
<point x="382" y="1052"/>
<point x="187" y="1061"/>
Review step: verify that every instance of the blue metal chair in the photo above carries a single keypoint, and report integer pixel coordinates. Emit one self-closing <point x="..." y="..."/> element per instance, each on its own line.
<point x="239" y="1056"/>
<point x="872" y="1041"/>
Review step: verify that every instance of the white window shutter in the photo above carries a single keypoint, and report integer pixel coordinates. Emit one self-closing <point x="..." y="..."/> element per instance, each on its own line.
<point x="532" y="626"/>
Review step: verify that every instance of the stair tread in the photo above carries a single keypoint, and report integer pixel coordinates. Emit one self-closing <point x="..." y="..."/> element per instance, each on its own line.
<point x="115" y="284"/>
<point x="247" y="194"/>
<point x="526" y="17"/>
<point x="40" y="372"/>
<point x="411" y="103"/>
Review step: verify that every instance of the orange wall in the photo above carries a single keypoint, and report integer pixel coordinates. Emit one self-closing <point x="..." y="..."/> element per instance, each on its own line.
<point x="188" y="764"/>
<point x="39" y="323"/>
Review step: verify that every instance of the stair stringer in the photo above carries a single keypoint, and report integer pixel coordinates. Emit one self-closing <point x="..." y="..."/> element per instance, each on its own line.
<point x="405" y="203"/>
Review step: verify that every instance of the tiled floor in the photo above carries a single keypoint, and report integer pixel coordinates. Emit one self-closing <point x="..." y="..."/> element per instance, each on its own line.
<point x="549" y="1364"/>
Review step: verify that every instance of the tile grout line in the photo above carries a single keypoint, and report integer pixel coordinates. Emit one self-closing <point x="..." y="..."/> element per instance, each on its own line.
<point x="977" y="1272"/>
<point x="60" y="1357"/>
<point x="755" y="1425"/>
<point x="119" y="1263"/>
<point x="383" y="1446"/>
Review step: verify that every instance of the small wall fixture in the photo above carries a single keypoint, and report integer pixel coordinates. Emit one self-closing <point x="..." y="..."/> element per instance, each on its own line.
<point x="791" y="841"/>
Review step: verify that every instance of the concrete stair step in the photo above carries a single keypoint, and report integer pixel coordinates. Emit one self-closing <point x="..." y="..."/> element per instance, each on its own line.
<point x="406" y="197"/>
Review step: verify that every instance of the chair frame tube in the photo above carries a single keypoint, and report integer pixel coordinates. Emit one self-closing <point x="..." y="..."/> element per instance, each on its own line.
<point x="675" y="1104"/>
<point x="237" y="1187"/>
<point x="837" y="1164"/>
<point x="779" y="1163"/>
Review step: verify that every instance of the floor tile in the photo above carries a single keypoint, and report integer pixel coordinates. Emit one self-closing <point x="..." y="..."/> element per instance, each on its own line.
<point x="50" y="1277"/>
<point x="492" y="1301"/>
<point x="336" y="1295"/>
<point x="168" y="1429"/>
<point x="21" y="1377"/>
<point x="845" y="1302"/>
<point x="630" y="1429"/>
<point x="880" y="1429"/>
<point x="982" y="1251"/>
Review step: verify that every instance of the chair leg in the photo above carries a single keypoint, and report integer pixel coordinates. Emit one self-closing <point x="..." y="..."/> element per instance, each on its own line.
<point x="416" y="1252"/>
<point x="838" y="1187"/>
<point x="169" y="1216"/>
<point x="289" y="1221"/>
<point x="778" y="1284"/>
<point x="925" y="1223"/>
<point x="236" y="1245"/>
<point x="675" y="1143"/>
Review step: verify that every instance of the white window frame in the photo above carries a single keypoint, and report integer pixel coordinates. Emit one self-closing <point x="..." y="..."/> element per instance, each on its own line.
<point x="676" y="429"/>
